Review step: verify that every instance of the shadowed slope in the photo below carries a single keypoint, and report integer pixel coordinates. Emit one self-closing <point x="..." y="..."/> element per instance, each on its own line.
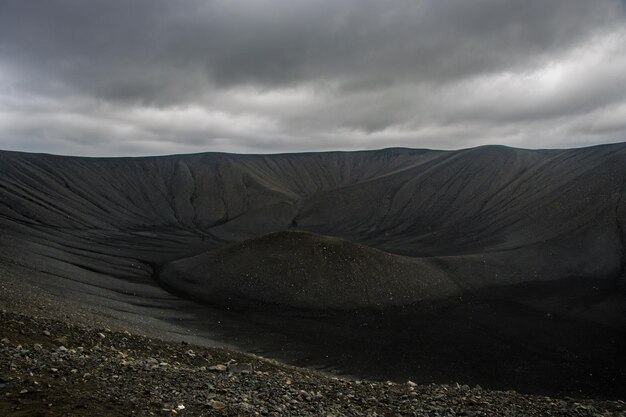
<point x="486" y="216"/>
<point x="200" y="192"/>
<point x="305" y="270"/>
<point x="91" y="233"/>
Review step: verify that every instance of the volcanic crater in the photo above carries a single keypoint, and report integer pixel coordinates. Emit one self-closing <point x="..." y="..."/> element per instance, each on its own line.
<point x="445" y="264"/>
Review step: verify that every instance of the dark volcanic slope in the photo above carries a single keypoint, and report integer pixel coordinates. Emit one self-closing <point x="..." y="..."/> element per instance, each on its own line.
<point x="375" y="230"/>
<point x="485" y="216"/>
<point x="304" y="270"/>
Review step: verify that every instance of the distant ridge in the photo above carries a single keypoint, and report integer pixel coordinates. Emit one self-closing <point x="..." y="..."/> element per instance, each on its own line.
<point x="480" y="217"/>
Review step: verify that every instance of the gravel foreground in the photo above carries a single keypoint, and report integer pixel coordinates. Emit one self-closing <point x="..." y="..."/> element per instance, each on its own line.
<point x="50" y="368"/>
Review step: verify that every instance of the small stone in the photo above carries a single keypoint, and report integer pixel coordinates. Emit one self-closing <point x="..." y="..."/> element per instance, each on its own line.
<point x="180" y="407"/>
<point x="411" y="383"/>
<point x="47" y="333"/>
<point x="24" y="391"/>
<point x="218" y="368"/>
<point x="62" y="349"/>
<point x="102" y="336"/>
<point x="240" y="368"/>
<point x="5" y="341"/>
<point x="217" y="405"/>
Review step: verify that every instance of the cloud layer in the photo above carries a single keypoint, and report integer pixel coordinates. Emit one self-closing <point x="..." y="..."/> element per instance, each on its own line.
<point x="139" y="77"/>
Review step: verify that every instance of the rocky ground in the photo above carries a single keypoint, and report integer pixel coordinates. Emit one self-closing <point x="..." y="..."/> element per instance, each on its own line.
<point x="52" y="368"/>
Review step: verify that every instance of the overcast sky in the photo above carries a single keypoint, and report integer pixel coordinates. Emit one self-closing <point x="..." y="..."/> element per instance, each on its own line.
<point x="145" y="77"/>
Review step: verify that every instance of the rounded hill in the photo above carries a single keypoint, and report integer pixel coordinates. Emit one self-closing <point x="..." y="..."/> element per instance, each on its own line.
<point x="305" y="270"/>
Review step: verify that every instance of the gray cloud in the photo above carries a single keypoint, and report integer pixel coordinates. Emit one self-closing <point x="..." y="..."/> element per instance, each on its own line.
<point x="155" y="76"/>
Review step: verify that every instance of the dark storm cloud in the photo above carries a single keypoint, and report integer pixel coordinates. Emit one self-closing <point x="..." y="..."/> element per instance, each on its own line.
<point x="134" y="49"/>
<point x="154" y="76"/>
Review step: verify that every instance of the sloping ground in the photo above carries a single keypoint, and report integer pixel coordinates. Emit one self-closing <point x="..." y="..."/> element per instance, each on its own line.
<point x="491" y="215"/>
<point x="308" y="271"/>
<point x="50" y="368"/>
<point x="97" y="232"/>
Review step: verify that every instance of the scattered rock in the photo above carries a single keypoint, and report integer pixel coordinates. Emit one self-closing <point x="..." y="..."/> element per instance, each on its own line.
<point x="127" y="378"/>
<point x="239" y="368"/>
<point x="218" y="368"/>
<point x="217" y="405"/>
